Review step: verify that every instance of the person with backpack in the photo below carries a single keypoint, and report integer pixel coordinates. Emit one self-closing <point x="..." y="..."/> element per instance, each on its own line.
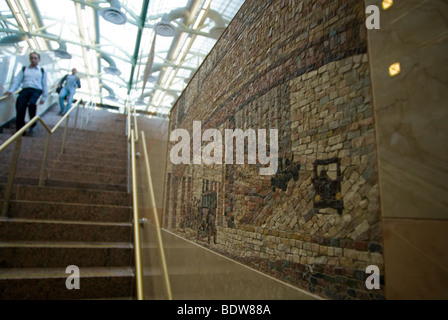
<point x="72" y="82"/>
<point x="33" y="80"/>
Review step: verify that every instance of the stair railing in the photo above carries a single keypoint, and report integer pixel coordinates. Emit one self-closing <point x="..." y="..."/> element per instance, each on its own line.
<point x="17" y="137"/>
<point x="136" y="221"/>
<point x="156" y="220"/>
<point x="66" y="118"/>
<point x="136" y="225"/>
<point x="132" y="133"/>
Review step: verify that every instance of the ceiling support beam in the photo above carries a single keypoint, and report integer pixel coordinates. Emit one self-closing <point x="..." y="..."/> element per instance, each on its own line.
<point x="193" y="7"/>
<point x="141" y="26"/>
<point x="37" y="19"/>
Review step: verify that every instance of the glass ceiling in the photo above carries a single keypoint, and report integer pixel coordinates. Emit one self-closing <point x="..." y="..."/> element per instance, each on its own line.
<point x="141" y="53"/>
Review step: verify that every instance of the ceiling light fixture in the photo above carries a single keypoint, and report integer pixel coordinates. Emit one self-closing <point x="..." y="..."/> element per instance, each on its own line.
<point x="113" y="13"/>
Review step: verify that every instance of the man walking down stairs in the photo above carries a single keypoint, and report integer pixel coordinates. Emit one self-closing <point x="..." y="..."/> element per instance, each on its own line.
<point x="71" y="238"/>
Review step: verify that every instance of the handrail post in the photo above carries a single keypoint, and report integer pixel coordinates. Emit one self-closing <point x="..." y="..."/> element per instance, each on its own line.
<point x="129" y="121"/>
<point x="12" y="174"/>
<point x="156" y="219"/>
<point x="83" y="114"/>
<point x="44" y="161"/>
<point x="137" y="247"/>
<point x="135" y="125"/>
<point x="65" y="135"/>
<point x="76" y="116"/>
<point x="18" y="138"/>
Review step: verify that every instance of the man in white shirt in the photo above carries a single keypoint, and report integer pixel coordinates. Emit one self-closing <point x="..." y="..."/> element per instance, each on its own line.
<point x="33" y="80"/>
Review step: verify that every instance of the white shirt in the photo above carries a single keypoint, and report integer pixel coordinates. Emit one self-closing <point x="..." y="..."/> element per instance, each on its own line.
<point x="32" y="78"/>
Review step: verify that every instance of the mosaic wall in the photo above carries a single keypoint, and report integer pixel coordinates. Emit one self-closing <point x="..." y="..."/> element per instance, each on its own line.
<point x="300" y="67"/>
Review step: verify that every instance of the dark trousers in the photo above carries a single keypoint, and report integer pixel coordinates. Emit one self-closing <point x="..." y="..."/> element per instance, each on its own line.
<point x="27" y="99"/>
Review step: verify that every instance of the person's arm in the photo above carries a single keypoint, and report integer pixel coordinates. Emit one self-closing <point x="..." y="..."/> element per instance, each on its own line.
<point x="44" y="88"/>
<point x="15" y="83"/>
<point x="78" y="81"/>
<point x="63" y="79"/>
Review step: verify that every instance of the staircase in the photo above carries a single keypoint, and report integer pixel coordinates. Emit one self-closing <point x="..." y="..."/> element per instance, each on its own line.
<point x="82" y="215"/>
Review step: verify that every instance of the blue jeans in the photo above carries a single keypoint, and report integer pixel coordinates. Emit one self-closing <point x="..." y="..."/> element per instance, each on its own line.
<point x="66" y="93"/>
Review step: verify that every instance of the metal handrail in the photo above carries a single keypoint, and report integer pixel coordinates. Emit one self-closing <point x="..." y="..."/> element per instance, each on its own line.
<point x="132" y="126"/>
<point x="4" y="97"/>
<point x="156" y="219"/>
<point x="137" y="247"/>
<point x="50" y="132"/>
<point x="129" y="124"/>
<point x="138" y="260"/>
<point x="135" y="125"/>
<point x="32" y="121"/>
<point x="18" y="138"/>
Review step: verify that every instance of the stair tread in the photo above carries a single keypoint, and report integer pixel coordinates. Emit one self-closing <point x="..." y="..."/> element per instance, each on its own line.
<point x="64" y="244"/>
<point x="71" y="222"/>
<point x="66" y="185"/>
<point x="86" y="185"/>
<point x="73" y="204"/>
<point x="35" y="187"/>
<point x="59" y="272"/>
<point x="57" y="170"/>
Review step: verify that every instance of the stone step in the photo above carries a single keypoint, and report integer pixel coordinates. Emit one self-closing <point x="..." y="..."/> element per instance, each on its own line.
<point x="49" y="254"/>
<point x="36" y="151"/>
<point x="34" y="181"/>
<point x="50" y="283"/>
<point x="34" y="165"/>
<point x="84" y="185"/>
<point x="56" y="168"/>
<point x="98" y="154"/>
<point x="87" y="177"/>
<point x="67" y="195"/>
<point x="68" y="211"/>
<point x="57" y="230"/>
<point x="116" y="146"/>
<point x="91" y="160"/>
<point x="119" y="169"/>
<point x="30" y="164"/>
<point x="73" y="134"/>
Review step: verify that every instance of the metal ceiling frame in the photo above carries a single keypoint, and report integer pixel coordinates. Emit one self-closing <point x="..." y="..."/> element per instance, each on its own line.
<point x="141" y="26"/>
<point x="187" y="23"/>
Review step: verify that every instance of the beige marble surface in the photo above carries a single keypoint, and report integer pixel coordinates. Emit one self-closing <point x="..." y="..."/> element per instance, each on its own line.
<point x="197" y="273"/>
<point x="416" y="259"/>
<point x="411" y="108"/>
<point x="411" y="116"/>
